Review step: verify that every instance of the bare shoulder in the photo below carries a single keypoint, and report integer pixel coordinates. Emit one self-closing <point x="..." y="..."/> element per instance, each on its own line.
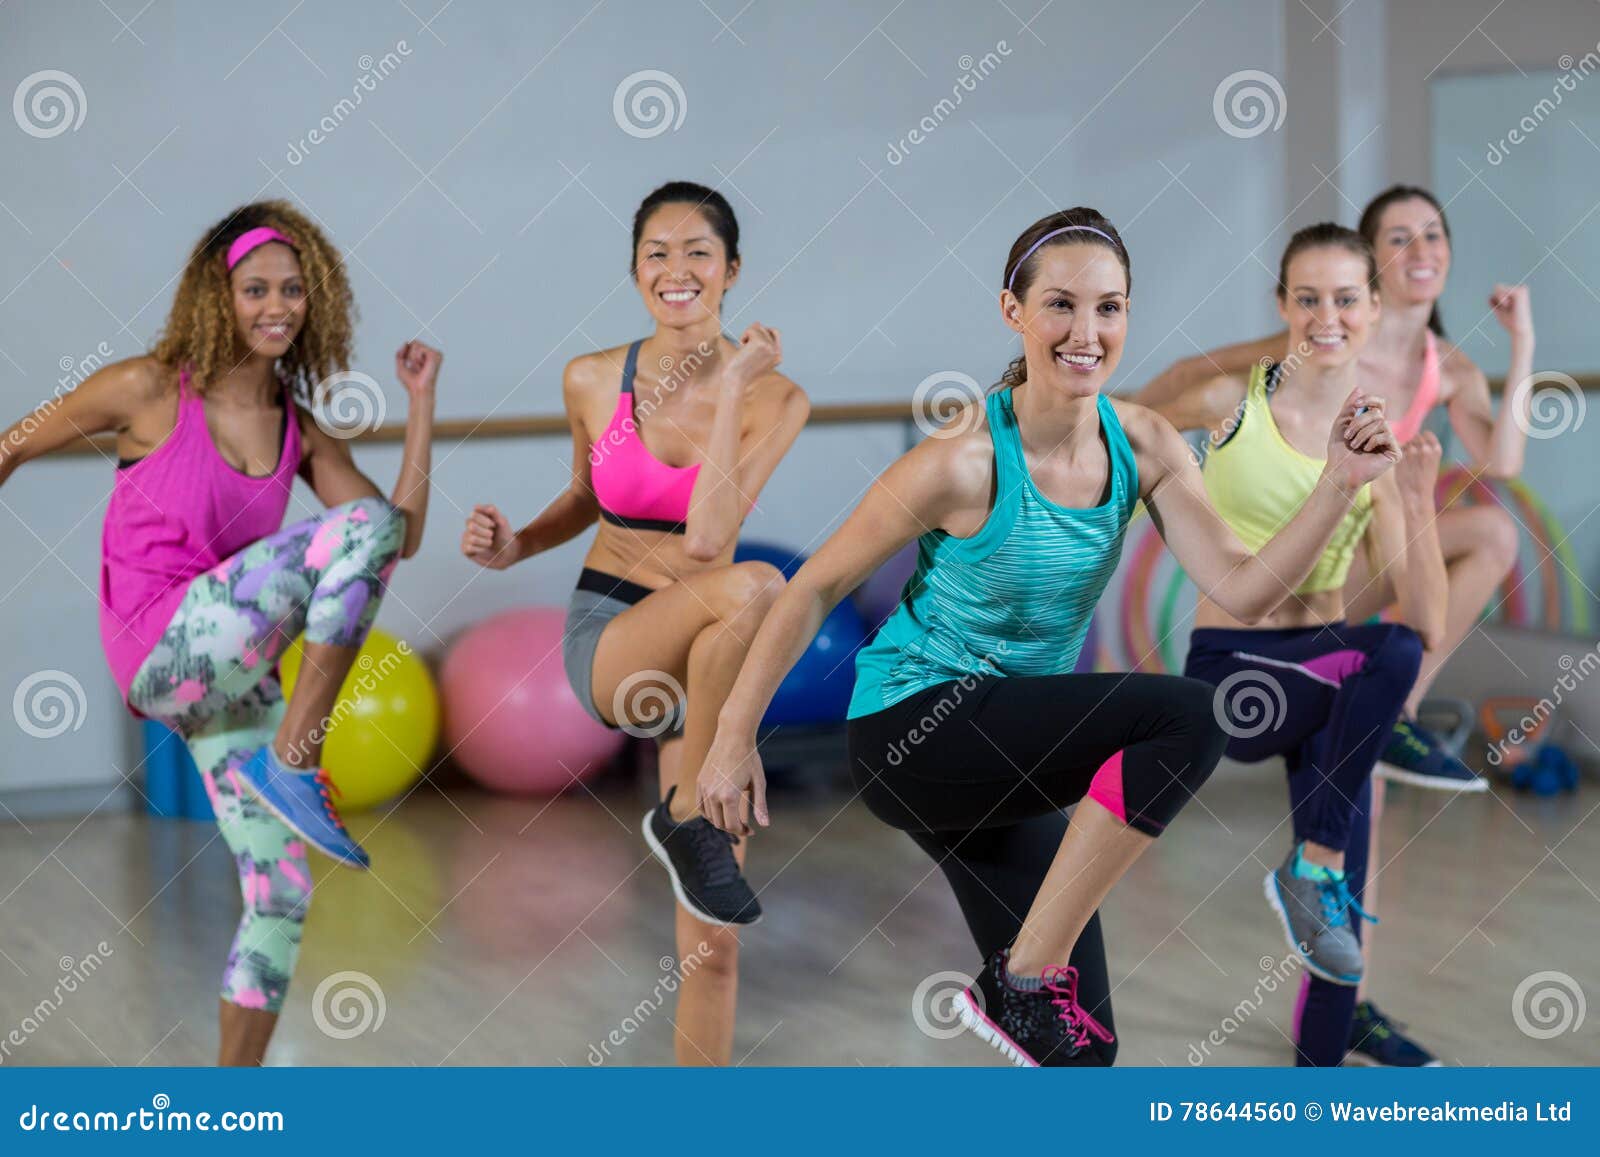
<point x="1150" y="434"/>
<point x="1140" y="423"/>
<point x="140" y="379"/>
<point x="779" y="394"/>
<point x="592" y="373"/>
<point x="118" y="394"/>
<point x="957" y="458"/>
<point x="1457" y="372"/>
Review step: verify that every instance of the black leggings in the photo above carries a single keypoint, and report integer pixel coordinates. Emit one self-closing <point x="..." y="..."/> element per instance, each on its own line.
<point x="977" y="771"/>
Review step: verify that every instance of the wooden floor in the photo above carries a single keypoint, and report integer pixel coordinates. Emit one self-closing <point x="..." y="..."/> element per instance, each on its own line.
<point x="520" y="932"/>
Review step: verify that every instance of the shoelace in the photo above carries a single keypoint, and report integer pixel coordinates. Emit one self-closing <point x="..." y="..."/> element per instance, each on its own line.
<point x="713" y="848"/>
<point x="1063" y="984"/>
<point x="324" y="786"/>
<point x="1336" y="900"/>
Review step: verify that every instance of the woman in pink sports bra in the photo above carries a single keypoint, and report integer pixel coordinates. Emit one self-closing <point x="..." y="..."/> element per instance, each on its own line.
<point x="673" y="438"/>
<point x="201" y="585"/>
<point x="1407" y="363"/>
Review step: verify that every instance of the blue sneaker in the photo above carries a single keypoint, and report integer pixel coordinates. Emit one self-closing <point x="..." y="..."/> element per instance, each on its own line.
<point x="1377" y="1040"/>
<point x="1414" y="755"/>
<point x="301" y="800"/>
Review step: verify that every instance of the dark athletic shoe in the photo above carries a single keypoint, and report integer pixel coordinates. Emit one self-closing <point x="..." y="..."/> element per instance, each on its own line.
<point x="301" y="800"/>
<point x="1414" y="755"/>
<point x="698" y="856"/>
<point x="1377" y="1040"/>
<point x="1316" y="921"/>
<point x="1031" y="1027"/>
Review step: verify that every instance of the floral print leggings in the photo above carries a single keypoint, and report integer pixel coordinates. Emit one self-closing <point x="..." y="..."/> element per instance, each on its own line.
<point x="211" y="678"/>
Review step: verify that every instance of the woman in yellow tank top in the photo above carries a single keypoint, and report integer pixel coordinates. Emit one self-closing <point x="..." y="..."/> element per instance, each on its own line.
<point x="1303" y="683"/>
<point x="1411" y="364"/>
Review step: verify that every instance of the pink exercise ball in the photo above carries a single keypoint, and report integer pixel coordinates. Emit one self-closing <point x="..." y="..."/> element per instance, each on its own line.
<point x="511" y="719"/>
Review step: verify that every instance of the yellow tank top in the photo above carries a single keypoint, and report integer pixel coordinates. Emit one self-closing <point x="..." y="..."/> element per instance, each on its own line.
<point x="1257" y="482"/>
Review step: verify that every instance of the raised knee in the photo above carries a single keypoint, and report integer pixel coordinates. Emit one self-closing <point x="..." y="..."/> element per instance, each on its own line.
<point x="753" y="588"/>
<point x="1194" y="701"/>
<point x="1500" y="539"/>
<point x="388" y="523"/>
<point x="1400" y="654"/>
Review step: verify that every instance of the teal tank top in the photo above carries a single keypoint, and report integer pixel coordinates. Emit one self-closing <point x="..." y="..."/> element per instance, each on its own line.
<point x="1013" y="599"/>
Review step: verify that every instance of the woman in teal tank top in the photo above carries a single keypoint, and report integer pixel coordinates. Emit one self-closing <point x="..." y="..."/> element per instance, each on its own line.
<point x="968" y="729"/>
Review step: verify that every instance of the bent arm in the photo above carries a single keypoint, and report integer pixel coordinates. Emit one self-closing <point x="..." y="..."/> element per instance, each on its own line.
<point x="1247" y="585"/>
<point x="105" y="401"/>
<point x="1174" y="392"/>
<point x="910" y="498"/>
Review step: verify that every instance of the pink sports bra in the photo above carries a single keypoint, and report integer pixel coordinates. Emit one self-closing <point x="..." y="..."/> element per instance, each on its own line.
<point x="1427" y="396"/>
<point x="634" y="487"/>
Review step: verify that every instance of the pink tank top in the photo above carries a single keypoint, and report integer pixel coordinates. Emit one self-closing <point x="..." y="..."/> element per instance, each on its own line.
<point x="1427" y="396"/>
<point x="175" y="514"/>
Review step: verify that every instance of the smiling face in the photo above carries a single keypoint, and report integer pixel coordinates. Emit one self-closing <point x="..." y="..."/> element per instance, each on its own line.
<point x="1329" y="307"/>
<point x="681" y="266"/>
<point x="269" y="299"/>
<point x="1073" y="318"/>
<point x="1413" y="252"/>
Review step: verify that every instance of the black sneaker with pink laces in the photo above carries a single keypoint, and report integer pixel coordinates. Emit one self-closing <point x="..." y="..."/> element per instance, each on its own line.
<point x="1042" y="1027"/>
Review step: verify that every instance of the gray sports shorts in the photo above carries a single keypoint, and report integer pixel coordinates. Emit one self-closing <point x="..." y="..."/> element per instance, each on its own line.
<point x="599" y="598"/>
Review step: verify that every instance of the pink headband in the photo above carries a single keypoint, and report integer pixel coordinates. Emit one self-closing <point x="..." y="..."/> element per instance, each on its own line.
<point x="1056" y="233"/>
<point x="253" y="239"/>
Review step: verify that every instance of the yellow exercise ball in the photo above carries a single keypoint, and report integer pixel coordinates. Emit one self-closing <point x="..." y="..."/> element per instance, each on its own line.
<point x="384" y="724"/>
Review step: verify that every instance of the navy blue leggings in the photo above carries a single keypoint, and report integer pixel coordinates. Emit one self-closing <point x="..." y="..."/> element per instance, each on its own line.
<point x="1325" y="698"/>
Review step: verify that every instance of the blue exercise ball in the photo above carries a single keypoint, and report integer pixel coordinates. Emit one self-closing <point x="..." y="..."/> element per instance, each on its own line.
<point x="817" y="689"/>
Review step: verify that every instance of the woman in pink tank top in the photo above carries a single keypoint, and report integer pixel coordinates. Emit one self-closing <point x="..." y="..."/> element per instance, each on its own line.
<point x="673" y="438"/>
<point x="202" y="587"/>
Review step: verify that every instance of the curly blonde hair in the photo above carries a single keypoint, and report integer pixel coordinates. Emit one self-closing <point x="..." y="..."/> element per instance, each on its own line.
<point x="201" y="332"/>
